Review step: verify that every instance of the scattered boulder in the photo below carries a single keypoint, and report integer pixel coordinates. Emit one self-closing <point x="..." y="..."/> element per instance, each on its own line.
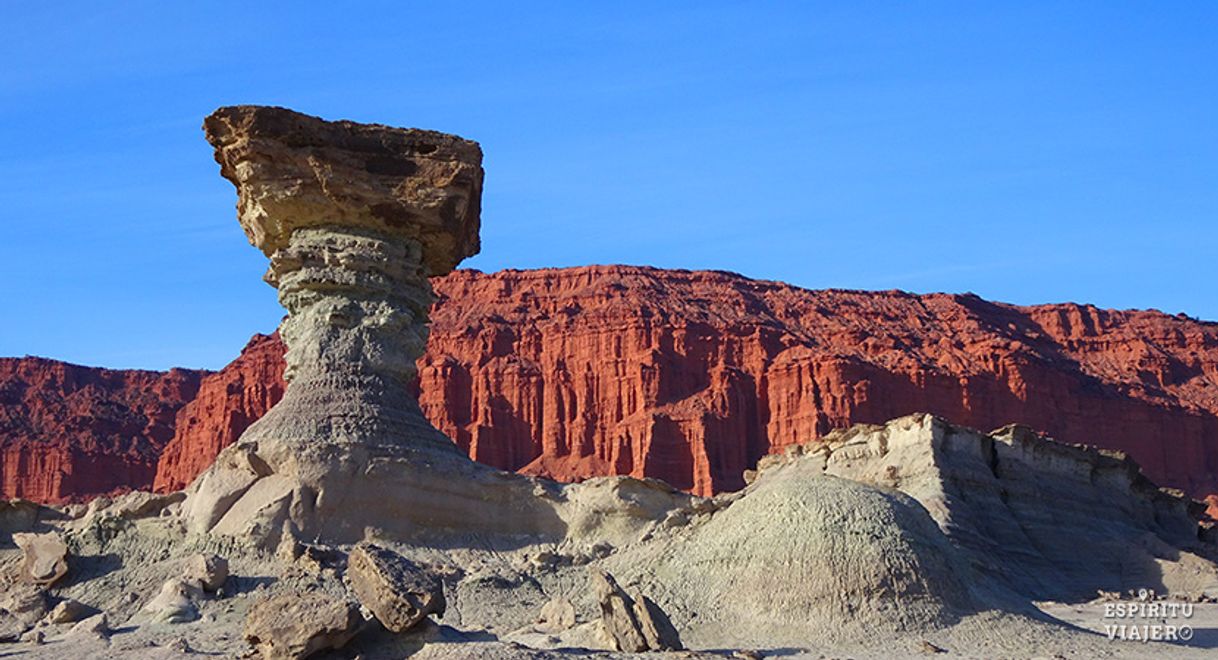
<point x="174" y="604"/>
<point x="46" y="557"/>
<point x="657" y="629"/>
<point x="207" y="570"/>
<point x="290" y="626"/>
<point x="69" y="611"/>
<point x="399" y="592"/>
<point x="96" y="626"/>
<point x="308" y="557"/>
<point x="619" y="623"/>
<point x="35" y="637"/>
<point x="557" y="615"/>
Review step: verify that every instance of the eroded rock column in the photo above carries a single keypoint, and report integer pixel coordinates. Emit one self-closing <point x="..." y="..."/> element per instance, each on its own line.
<point x="354" y="218"/>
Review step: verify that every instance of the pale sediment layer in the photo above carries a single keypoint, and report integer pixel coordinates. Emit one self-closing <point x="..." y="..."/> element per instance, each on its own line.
<point x="354" y="219"/>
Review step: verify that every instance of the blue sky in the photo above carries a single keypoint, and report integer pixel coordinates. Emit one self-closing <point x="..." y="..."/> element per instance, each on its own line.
<point x="1027" y="151"/>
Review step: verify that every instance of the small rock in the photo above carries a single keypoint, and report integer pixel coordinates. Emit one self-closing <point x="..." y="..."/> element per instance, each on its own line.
<point x="543" y="560"/>
<point x="69" y="611"/>
<point x="931" y="649"/>
<point x="631" y="622"/>
<point x="208" y="570"/>
<point x="657" y="629"/>
<point x="310" y="558"/>
<point x="557" y="615"/>
<point x="399" y="592"/>
<point x="35" y="637"/>
<point x="95" y="626"/>
<point x="75" y="511"/>
<point x="46" y="557"/>
<point x="21" y="515"/>
<point x="618" y="622"/>
<point x="174" y="604"/>
<point x="299" y="625"/>
<point x="10" y="627"/>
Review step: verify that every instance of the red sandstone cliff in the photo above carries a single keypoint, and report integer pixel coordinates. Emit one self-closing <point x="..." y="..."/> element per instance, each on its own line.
<point x="228" y="401"/>
<point x="67" y="430"/>
<point x="692" y="376"/>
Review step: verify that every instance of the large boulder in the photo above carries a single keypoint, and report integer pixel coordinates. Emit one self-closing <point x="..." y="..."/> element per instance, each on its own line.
<point x="174" y="604"/>
<point x="94" y="627"/>
<point x="557" y="615"/>
<point x="291" y="626"/>
<point x="45" y="557"/>
<point x="69" y="611"/>
<point x="399" y="592"/>
<point x="207" y="570"/>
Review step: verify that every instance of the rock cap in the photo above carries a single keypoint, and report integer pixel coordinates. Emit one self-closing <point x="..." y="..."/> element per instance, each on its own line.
<point x="294" y="170"/>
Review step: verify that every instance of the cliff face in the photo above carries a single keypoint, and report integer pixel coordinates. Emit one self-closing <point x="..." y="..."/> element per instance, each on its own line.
<point x="1021" y="505"/>
<point x="228" y="401"/>
<point x="68" y="431"/>
<point x="693" y="376"/>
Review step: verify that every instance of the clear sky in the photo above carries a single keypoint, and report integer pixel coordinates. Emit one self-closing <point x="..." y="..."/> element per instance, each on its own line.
<point x="1025" y="151"/>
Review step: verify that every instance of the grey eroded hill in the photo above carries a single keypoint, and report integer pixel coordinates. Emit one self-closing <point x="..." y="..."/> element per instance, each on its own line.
<point x="1051" y="521"/>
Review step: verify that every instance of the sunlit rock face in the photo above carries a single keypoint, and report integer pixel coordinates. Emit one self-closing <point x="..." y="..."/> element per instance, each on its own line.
<point x="354" y="219"/>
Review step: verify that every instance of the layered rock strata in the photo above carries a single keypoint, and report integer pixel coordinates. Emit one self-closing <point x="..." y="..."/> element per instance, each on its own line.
<point x="691" y="377"/>
<point x="570" y="373"/>
<point x="227" y="403"/>
<point x="1023" y="505"/>
<point x="354" y="219"/>
<point x="912" y="524"/>
<point x="68" y="431"/>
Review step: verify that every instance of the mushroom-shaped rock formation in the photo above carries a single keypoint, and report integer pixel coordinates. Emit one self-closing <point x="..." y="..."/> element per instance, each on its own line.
<point x="354" y="218"/>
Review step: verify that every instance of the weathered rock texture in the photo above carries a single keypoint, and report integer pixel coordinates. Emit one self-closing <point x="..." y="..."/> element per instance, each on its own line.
<point x="69" y="432"/>
<point x="293" y="626"/>
<point x="1023" y="506"/>
<point x="45" y="557"/>
<point x="692" y="376"/>
<point x="227" y="403"/>
<point x="399" y="592"/>
<point x="917" y="523"/>
<point x="355" y="218"/>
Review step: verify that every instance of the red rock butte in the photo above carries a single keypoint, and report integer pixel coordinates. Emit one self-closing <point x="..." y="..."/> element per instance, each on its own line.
<point x="691" y="377"/>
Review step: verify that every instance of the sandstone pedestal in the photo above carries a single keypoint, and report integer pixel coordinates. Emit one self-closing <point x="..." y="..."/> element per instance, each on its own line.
<point x="354" y="218"/>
